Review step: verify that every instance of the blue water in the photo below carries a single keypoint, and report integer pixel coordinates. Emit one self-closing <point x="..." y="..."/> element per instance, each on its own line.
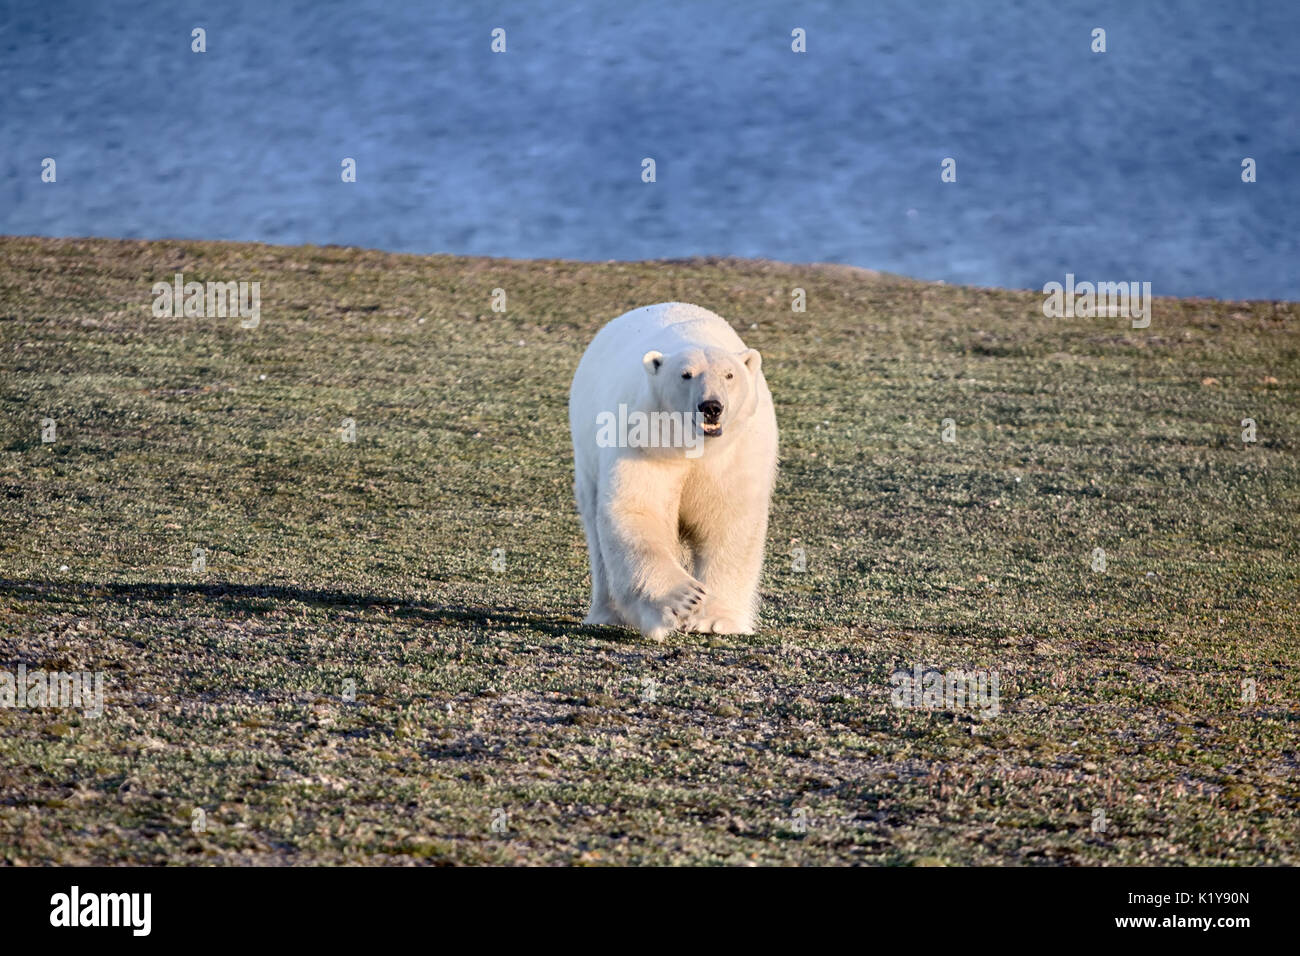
<point x="1117" y="166"/>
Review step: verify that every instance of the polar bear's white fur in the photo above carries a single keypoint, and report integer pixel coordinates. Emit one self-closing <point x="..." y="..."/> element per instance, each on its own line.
<point x="675" y="533"/>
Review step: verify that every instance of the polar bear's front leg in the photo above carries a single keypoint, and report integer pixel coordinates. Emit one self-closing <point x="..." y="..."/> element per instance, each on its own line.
<point x="637" y="528"/>
<point x="729" y="562"/>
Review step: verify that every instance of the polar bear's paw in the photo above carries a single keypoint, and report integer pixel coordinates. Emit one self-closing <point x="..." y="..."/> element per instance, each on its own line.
<point x="603" y="617"/>
<point x="720" y="625"/>
<point x="675" y="610"/>
<point x="683" y="603"/>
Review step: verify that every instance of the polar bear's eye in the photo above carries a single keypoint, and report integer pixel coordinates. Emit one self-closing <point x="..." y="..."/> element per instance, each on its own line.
<point x="686" y="374"/>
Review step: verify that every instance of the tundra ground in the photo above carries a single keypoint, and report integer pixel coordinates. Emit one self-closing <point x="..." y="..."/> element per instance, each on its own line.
<point x="1147" y="713"/>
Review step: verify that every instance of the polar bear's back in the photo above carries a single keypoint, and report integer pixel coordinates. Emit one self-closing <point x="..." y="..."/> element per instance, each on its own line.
<point x="668" y="327"/>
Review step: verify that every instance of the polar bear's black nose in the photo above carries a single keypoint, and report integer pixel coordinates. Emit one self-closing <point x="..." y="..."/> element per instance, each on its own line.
<point x="711" y="409"/>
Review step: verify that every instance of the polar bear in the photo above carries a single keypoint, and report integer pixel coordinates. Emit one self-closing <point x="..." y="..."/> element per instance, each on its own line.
<point x="674" y="506"/>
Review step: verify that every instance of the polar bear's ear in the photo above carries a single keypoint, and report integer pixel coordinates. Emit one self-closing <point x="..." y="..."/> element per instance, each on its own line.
<point x="652" y="360"/>
<point x="753" y="361"/>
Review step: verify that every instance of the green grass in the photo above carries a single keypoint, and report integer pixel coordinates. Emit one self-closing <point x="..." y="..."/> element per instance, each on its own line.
<point x="479" y="690"/>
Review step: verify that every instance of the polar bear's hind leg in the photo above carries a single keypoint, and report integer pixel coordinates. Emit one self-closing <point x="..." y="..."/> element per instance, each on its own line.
<point x="602" y="608"/>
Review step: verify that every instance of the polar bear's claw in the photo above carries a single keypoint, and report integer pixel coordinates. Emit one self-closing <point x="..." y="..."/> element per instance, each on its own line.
<point x="685" y="601"/>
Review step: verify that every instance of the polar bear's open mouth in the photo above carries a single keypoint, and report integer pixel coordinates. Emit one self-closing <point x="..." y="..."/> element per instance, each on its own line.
<point x="713" y="430"/>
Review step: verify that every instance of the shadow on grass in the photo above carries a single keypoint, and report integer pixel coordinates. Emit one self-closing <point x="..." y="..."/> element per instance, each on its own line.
<point x="254" y="598"/>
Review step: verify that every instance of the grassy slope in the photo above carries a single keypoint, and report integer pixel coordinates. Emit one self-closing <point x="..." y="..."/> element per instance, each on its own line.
<point x="478" y="690"/>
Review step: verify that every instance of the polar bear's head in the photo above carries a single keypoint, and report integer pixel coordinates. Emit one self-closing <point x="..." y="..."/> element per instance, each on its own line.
<point x="709" y="386"/>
